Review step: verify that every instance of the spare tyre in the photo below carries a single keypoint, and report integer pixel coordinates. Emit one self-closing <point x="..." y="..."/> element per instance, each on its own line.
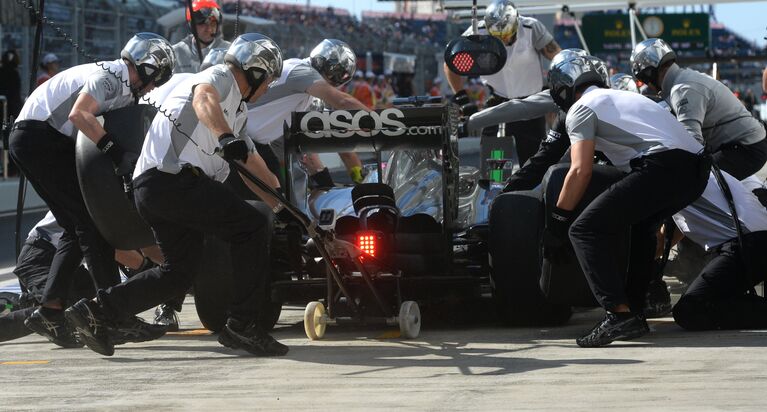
<point x="516" y="224"/>
<point x="113" y="213"/>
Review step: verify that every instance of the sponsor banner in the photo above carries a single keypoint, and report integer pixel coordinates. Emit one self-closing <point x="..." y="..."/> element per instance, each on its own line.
<point x="386" y="129"/>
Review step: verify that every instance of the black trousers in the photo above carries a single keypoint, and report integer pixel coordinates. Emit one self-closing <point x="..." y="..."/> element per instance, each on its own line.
<point x="47" y="159"/>
<point x="658" y="186"/>
<point x="717" y="299"/>
<point x="182" y="208"/>
<point x="32" y="269"/>
<point x="742" y="161"/>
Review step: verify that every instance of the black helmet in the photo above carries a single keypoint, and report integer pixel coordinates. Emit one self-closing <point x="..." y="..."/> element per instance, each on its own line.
<point x="256" y="55"/>
<point x="567" y="54"/>
<point x="334" y="60"/>
<point x="601" y="67"/>
<point x="152" y="56"/>
<point x="568" y="76"/>
<point x="648" y="57"/>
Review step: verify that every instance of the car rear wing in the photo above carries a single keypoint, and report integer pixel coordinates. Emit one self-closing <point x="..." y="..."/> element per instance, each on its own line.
<point x="399" y="128"/>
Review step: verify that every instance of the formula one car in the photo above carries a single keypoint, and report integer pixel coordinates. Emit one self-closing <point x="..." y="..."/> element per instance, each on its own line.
<point x="420" y="228"/>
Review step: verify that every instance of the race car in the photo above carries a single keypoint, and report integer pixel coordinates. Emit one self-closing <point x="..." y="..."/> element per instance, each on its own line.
<point x="425" y="225"/>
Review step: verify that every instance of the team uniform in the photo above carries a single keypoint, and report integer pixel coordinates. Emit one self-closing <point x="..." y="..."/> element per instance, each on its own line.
<point x="178" y="191"/>
<point x="286" y="95"/>
<point x="42" y="144"/>
<point x="712" y="113"/>
<point x="718" y="298"/>
<point x="187" y="60"/>
<point x="520" y="77"/>
<point x="32" y="268"/>
<point x="665" y="174"/>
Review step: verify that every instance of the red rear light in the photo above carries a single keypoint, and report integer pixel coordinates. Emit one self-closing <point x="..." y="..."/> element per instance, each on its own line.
<point x="463" y="62"/>
<point x="367" y="242"/>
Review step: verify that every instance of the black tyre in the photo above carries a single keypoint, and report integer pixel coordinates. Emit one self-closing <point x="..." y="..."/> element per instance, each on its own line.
<point x="516" y="222"/>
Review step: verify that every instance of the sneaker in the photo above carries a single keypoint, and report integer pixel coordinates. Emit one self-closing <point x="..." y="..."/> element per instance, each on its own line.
<point x="658" y="303"/>
<point x="52" y="324"/>
<point x="251" y="338"/>
<point x="165" y="316"/>
<point x="135" y="330"/>
<point x="615" y="326"/>
<point x="92" y="324"/>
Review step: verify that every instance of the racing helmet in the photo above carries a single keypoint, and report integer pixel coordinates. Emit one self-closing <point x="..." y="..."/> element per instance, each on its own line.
<point x="334" y="60"/>
<point x="648" y="57"/>
<point x="152" y="56"/>
<point x="256" y="55"/>
<point x="214" y="57"/>
<point x="601" y="67"/>
<point x="502" y="20"/>
<point x="623" y="81"/>
<point x="567" y="54"/>
<point x="566" y="77"/>
<point x="203" y="11"/>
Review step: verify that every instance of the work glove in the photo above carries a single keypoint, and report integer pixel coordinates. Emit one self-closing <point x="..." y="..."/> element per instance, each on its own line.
<point x="233" y="148"/>
<point x="124" y="162"/>
<point x="555" y="240"/>
<point x="356" y="174"/>
<point x="462" y="99"/>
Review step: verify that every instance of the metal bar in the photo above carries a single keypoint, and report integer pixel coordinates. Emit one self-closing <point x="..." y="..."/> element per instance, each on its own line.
<point x="631" y="27"/>
<point x="314" y="232"/>
<point x="638" y="24"/>
<point x="369" y="282"/>
<point x="577" y="26"/>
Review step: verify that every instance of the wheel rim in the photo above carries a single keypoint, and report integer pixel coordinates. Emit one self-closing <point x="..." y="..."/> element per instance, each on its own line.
<point x="314" y="320"/>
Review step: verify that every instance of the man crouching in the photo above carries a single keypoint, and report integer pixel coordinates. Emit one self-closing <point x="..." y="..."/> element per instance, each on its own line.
<point x="178" y="191"/>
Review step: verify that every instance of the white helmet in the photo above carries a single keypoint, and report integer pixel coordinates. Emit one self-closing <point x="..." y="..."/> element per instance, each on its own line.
<point x="256" y="55"/>
<point x="334" y="60"/>
<point x="152" y="56"/>
<point x="502" y="20"/>
<point x="623" y="81"/>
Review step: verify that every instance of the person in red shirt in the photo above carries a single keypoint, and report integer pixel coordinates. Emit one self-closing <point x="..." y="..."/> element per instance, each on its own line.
<point x="49" y="67"/>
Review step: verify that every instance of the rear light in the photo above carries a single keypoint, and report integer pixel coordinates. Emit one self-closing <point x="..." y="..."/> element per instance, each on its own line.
<point x="367" y="243"/>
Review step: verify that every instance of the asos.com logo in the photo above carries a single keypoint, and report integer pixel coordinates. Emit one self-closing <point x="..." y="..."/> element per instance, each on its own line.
<point x="341" y="123"/>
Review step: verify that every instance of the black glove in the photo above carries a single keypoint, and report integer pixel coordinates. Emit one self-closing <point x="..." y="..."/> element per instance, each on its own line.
<point x="233" y="147"/>
<point x="286" y="217"/>
<point x="462" y="99"/>
<point x="555" y="241"/>
<point x="124" y="162"/>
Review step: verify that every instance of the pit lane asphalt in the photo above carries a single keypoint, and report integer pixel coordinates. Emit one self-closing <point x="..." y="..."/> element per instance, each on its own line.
<point x="464" y="361"/>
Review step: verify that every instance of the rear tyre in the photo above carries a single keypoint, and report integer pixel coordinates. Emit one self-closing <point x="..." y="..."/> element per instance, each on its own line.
<point x="516" y="224"/>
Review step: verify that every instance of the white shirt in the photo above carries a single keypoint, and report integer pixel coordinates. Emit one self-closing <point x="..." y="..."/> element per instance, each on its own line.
<point x="522" y="74"/>
<point x="708" y="221"/>
<point x="285" y="96"/>
<point x="47" y="229"/>
<point x="159" y="94"/>
<point x="168" y="148"/>
<point x="626" y="125"/>
<point x="52" y="101"/>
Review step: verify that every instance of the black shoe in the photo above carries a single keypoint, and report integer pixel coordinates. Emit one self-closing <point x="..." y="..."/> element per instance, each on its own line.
<point x="251" y="338"/>
<point x="87" y="317"/>
<point x="165" y="316"/>
<point x="135" y="330"/>
<point x="52" y="324"/>
<point x="615" y="326"/>
<point x="658" y="303"/>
